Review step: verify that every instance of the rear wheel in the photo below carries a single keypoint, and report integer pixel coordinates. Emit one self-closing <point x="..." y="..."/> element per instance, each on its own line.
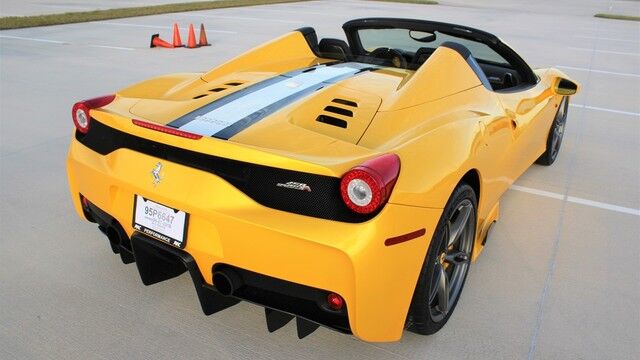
<point x="446" y="266"/>
<point x="556" y="133"/>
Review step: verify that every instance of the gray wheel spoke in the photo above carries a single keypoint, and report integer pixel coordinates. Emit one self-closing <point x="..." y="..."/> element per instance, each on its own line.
<point x="456" y="227"/>
<point x="456" y="258"/>
<point x="443" y="290"/>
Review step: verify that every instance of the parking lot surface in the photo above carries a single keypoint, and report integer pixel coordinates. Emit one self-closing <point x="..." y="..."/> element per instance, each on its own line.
<point x="558" y="279"/>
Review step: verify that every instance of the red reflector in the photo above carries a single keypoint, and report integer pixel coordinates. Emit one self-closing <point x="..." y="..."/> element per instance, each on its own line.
<point x="85" y="202"/>
<point x="335" y="301"/>
<point x="405" y="237"/>
<point x="166" y="129"/>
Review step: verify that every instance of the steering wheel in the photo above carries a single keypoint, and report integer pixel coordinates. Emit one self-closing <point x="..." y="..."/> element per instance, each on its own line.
<point x="393" y="55"/>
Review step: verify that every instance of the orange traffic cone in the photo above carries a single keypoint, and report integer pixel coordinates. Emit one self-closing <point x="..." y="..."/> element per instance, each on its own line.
<point x="191" y="42"/>
<point x="177" y="42"/>
<point x="157" y="42"/>
<point x="203" y="37"/>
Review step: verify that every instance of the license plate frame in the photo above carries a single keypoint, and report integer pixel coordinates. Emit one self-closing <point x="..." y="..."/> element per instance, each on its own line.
<point x="160" y="221"/>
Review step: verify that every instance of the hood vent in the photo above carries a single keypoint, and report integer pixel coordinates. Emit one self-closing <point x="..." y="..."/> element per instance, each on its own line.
<point x="220" y="88"/>
<point x="345" y="102"/>
<point x="339" y="110"/>
<point x="332" y="111"/>
<point x="326" y="119"/>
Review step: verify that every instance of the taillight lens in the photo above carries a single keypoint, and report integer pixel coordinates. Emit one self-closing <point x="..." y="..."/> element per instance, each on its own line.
<point x="367" y="187"/>
<point x="80" y="111"/>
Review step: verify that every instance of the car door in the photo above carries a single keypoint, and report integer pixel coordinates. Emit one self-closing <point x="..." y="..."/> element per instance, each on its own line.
<point x="530" y="112"/>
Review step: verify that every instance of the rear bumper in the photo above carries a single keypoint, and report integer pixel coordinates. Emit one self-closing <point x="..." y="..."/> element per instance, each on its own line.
<point x="229" y="229"/>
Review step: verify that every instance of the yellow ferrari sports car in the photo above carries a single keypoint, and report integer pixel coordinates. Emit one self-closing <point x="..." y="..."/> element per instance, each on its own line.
<point x="345" y="184"/>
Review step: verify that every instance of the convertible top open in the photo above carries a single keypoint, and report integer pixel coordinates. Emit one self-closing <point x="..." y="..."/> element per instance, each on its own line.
<point x="346" y="184"/>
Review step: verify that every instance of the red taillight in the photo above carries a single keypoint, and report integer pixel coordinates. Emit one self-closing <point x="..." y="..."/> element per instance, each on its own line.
<point x="166" y="129"/>
<point x="335" y="301"/>
<point x="367" y="187"/>
<point x="80" y="111"/>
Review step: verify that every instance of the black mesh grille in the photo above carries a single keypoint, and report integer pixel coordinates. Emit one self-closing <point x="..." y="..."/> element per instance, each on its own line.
<point x="256" y="181"/>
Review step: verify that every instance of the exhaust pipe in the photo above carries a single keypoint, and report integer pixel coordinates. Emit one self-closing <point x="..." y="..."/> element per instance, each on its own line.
<point x="227" y="281"/>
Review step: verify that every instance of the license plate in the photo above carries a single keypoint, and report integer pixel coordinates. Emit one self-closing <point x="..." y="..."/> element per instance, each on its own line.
<point x="159" y="221"/>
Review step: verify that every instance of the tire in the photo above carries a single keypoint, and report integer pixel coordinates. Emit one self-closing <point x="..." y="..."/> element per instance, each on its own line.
<point x="426" y="315"/>
<point x="556" y="133"/>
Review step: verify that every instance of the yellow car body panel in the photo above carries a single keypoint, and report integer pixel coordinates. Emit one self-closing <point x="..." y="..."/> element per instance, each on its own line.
<point x="441" y="108"/>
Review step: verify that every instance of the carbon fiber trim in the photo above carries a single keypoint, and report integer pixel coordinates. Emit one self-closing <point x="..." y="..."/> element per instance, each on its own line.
<point x="259" y="182"/>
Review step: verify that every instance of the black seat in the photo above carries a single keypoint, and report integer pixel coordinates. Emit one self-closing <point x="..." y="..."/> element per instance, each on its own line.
<point x="422" y="55"/>
<point x="334" y="49"/>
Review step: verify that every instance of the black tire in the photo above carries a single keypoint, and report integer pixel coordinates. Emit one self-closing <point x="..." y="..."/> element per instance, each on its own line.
<point x="425" y="317"/>
<point x="556" y="133"/>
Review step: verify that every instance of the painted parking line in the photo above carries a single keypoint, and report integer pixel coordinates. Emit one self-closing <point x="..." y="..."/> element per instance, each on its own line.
<point x="604" y="51"/>
<point x="112" y="47"/>
<point x="598" y="71"/>
<point x="577" y="200"/>
<point x="58" y="42"/>
<point x="606" y="38"/>
<point x="293" y="12"/>
<point x="596" y="108"/>
<point x="35" y="39"/>
<point x="156" y="26"/>
<point x="243" y="18"/>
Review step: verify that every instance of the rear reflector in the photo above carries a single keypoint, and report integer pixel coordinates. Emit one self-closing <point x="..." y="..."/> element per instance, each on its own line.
<point x="166" y="129"/>
<point x="406" y="237"/>
<point x="335" y="301"/>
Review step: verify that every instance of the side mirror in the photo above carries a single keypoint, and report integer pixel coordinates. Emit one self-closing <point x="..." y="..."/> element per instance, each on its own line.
<point x="565" y="87"/>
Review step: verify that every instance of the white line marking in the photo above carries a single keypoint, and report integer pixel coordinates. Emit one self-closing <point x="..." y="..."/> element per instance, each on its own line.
<point x="292" y="12"/>
<point x="605" y="109"/>
<point x="548" y="194"/>
<point x="605" y="38"/>
<point x="111" y="47"/>
<point x="577" y="200"/>
<point x="605" y="206"/>
<point x="158" y="27"/>
<point x="243" y="18"/>
<point x="34" y="39"/>
<point x="604" y="51"/>
<point x="597" y="71"/>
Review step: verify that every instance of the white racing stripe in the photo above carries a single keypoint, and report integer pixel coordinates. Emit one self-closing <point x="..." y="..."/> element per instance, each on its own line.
<point x="232" y="112"/>
<point x="577" y="200"/>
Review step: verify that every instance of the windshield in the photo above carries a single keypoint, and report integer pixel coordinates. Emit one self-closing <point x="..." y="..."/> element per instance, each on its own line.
<point x="411" y="43"/>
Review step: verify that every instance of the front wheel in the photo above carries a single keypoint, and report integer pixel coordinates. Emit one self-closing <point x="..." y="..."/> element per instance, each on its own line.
<point x="446" y="265"/>
<point x="556" y="133"/>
